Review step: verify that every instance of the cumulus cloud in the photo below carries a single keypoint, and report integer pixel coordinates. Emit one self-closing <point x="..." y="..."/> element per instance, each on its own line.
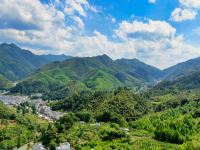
<point x="190" y="3"/>
<point x="179" y="15"/>
<point x="77" y="9"/>
<point x="155" y="41"/>
<point x="32" y="22"/>
<point x="168" y="49"/>
<point x="26" y="14"/>
<point x="188" y="10"/>
<point x="145" y="30"/>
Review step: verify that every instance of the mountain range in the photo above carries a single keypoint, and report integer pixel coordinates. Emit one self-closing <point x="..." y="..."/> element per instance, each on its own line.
<point x="42" y="72"/>
<point x="100" y="72"/>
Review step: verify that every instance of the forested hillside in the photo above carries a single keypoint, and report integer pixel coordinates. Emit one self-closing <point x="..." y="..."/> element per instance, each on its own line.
<point x="5" y="83"/>
<point x="126" y="120"/>
<point x="182" y="69"/>
<point x="100" y="73"/>
<point x="16" y="63"/>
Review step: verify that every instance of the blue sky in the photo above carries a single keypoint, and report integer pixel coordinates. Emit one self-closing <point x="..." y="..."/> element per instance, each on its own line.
<point x="158" y="32"/>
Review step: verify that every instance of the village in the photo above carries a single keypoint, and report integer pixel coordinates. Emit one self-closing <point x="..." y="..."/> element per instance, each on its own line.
<point x="42" y="111"/>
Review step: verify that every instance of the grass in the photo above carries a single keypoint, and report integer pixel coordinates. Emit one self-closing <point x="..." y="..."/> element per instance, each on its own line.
<point x="37" y="120"/>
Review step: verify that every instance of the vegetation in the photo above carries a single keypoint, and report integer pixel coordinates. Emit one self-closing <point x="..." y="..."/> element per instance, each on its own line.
<point x="16" y="63"/>
<point x="5" y="83"/>
<point x="182" y="69"/>
<point x="122" y="102"/>
<point x="18" y="128"/>
<point x="103" y="111"/>
<point x="169" y="121"/>
<point x="96" y="73"/>
<point x="170" y="128"/>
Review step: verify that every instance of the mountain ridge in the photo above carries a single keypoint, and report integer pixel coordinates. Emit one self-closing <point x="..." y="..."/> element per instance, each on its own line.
<point x="99" y="72"/>
<point x="17" y="63"/>
<point x="182" y="69"/>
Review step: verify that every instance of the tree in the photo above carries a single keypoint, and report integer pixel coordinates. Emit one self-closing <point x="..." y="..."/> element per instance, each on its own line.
<point x="66" y="122"/>
<point x="19" y="141"/>
<point x="84" y="116"/>
<point x="33" y="109"/>
<point x="52" y="145"/>
<point x="49" y="135"/>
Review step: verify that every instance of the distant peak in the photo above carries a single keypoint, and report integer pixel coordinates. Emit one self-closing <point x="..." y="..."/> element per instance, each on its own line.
<point x="129" y="60"/>
<point x="104" y="56"/>
<point x="10" y="45"/>
<point x="4" y="44"/>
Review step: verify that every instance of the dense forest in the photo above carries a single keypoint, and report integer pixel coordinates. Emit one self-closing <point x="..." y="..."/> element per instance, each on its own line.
<point x="120" y="119"/>
<point x="115" y="119"/>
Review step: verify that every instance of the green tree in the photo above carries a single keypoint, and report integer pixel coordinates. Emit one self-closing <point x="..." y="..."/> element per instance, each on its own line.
<point x="52" y="145"/>
<point x="19" y="141"/>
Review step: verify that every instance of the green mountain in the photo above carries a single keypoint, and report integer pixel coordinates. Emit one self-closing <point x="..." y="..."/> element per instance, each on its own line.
<point x="16" y="63"/>
<point x="188" y="82"/>
<point x="182" y="69"/>
<point x="99" y="72"/>
<point x="140" y="70"/>
<point x="5" y="83"/>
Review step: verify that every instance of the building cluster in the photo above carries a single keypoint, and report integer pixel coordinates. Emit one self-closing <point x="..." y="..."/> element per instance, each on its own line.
<point x="13" y="100"/>
<point x="42" y="109"/>
<point x="45" y="111"/>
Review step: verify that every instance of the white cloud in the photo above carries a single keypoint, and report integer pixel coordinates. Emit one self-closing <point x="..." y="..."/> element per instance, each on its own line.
<point x="28" y="14"/>
<point x="188" y="10"/>
<point x="190" y="3"/>
<point x="155" y="41"/>
<point x="8" y="34"/>
<point x="162" y="52"/>
<point x="78" y="6"/>
<point x="113" y="20"/>
<point x="34" y="23"/>
<point x="77" y="9"/>
<point x="179" y="15"/>
<point x="152" y="1"/>
<point x="79" y="22"/>
<point x="149" y="30"/>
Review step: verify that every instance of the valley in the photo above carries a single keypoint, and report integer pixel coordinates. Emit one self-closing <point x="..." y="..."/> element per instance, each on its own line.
<point x="100" y="103"/>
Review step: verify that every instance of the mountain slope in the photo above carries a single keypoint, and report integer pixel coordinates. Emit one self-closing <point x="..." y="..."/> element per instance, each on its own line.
<point x="188" y="82"/>
<point x="99" y="72"/>
<point x="139" y="69"/>
<point x="182" y="69"/>
<point x="16" y="63"/>
<point x="5" y="83"/>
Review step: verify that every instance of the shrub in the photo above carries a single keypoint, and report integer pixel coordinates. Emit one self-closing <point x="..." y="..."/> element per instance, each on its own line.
<point x="175" y="131"/>
<point x="84" y="116"/>
<point x="111" y="133"/>
<point x="112" y="117"/>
